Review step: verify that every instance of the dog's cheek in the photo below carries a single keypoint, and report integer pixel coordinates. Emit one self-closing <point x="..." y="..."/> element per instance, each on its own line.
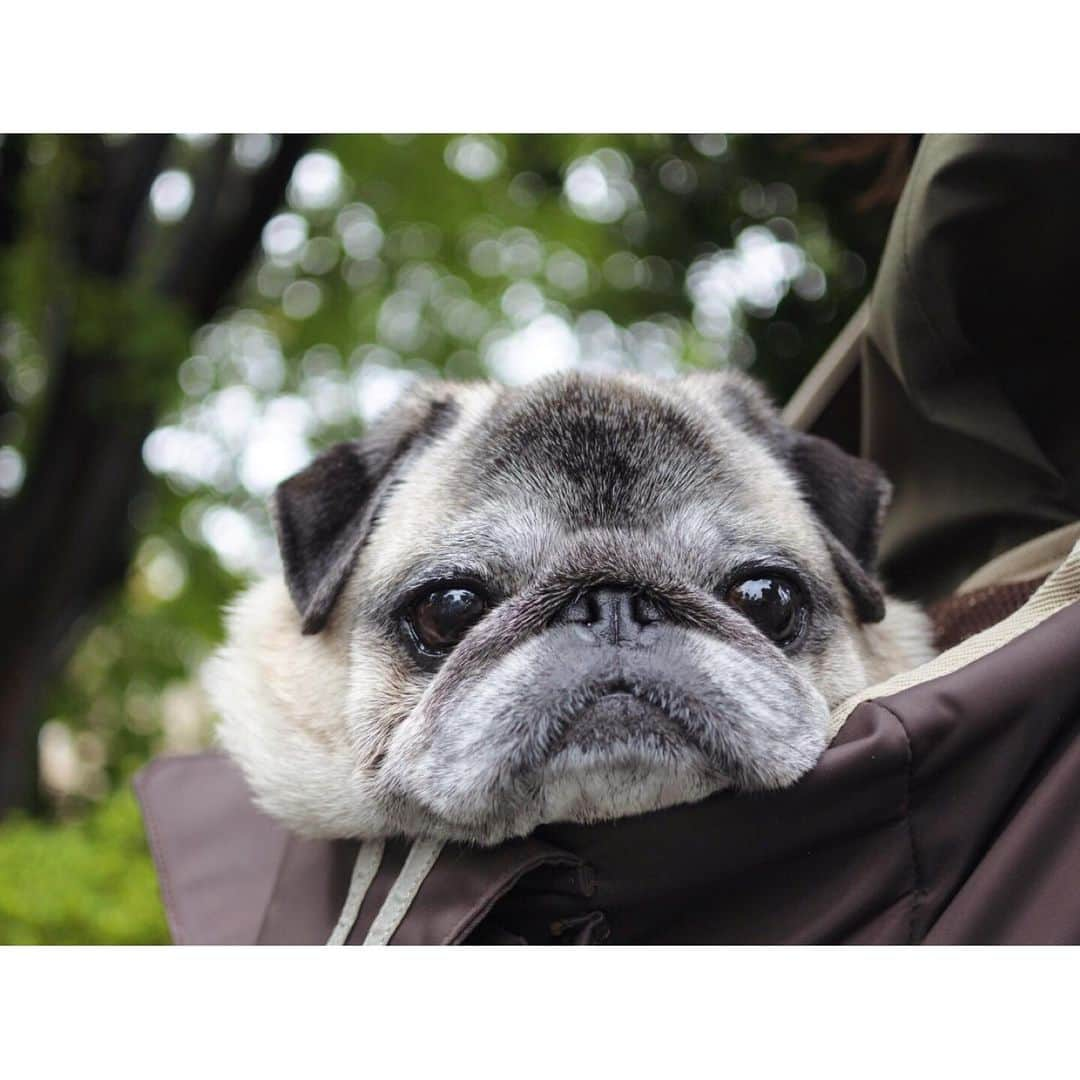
<point x="837" y="669"/>
<point x="282" y="701"/>
<point x="383" y="691"/>
<point x="455" y="756"/>
<point x="760" y="715"/>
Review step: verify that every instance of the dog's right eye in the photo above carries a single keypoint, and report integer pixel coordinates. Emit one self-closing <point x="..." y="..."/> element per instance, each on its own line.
<point x="443" y="617"/>
<point x="772" y="603"/>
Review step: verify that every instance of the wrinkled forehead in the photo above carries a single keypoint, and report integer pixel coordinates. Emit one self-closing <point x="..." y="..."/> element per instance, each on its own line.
<point x="595" y="454"/>
<point x="526" y="473"/>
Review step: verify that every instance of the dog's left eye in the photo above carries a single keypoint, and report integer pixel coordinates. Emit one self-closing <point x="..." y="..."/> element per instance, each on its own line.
<point x="445" y="616"/>
<point x="772" y="604"/>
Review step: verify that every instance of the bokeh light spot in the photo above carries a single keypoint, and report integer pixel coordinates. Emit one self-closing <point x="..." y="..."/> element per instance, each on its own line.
<point x="544" y="347"/>
<point x="476" y="157"/>
<point x="170" y="196"/>
<point x="12" y="471"/>
<point x="709" y="145"/>
<point x="317" y="182"/>
<point x="253" y="151"/>
<point x="598" y="186"/>
<point x="284" y="237"/>
<point x="301" y="299"/>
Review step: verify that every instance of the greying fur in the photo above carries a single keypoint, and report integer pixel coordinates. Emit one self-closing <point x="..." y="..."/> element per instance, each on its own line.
<point x="542" y="492"/>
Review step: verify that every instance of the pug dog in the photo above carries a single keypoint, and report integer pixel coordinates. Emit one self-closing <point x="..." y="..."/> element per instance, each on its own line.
<point x="580" y="599"/>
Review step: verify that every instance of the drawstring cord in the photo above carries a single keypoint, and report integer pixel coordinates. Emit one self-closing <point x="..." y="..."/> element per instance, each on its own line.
<point x="421" y="858"/>
<point x="365" y="868"/>
<point x="417" y="866"/>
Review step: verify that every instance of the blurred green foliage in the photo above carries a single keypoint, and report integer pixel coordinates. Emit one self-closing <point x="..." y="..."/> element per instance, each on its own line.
<point x="85" y="882"/>
<point x="395" y="258"/>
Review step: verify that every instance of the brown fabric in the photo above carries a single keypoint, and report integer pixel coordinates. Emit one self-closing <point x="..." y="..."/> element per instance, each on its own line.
<point x="467" y="882"/>
<point x="969" y="373"/>
<point x="310" y="886"/>
<point x="947" y="813"/>
<point x="229" y="875"/>
<point x="217" y="856"/>
<point x="958" y="617"/>
<point x="299" y="912"/>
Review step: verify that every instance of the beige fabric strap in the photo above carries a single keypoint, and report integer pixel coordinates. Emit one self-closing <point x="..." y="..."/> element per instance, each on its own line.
<point x="418" y="864"/>
<point x="1058" y="591"/>
<point x="1035" y="559"/>
<point x="827" y="375"/>
<point x="365" y="868"/>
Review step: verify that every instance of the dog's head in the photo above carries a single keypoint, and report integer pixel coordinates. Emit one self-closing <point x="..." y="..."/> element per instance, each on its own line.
<point x="580" y="599"/>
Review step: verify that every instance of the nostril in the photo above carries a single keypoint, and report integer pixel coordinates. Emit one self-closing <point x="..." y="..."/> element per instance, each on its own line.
<point x="584" y="609"/>
<point x="645" y="611"/>
<point x="622" y="611"/>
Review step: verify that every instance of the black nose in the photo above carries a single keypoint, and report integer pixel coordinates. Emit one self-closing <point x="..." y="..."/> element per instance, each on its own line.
<point x="614" y="616"/>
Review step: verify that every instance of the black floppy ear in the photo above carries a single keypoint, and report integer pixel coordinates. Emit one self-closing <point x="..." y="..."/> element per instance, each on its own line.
<point x="849" y="495"/>
<point x="319" y="516"/>
<point x="324" y="513"/>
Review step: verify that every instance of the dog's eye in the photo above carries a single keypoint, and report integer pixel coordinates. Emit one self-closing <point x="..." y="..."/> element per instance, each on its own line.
<point x="772" y="604"/>
<point x="445" y="616"/>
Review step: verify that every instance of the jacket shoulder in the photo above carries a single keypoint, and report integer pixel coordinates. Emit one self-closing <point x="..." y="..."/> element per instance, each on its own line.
<point x="215" y="852"/>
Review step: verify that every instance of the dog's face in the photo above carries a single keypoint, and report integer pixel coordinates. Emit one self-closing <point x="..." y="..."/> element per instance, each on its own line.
<point x="576" y="600"/>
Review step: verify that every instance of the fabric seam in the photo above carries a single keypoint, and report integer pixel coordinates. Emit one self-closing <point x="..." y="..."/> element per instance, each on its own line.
<point x="914" y="286"/>
<point x="157" y="850"/>
<point x="918" y="890"/>
<point x="476" y="915"/>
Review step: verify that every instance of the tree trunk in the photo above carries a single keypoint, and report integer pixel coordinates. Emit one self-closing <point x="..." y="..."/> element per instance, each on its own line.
<point x="67" y="536"/>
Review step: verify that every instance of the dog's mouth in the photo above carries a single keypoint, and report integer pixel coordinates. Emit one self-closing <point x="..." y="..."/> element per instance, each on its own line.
<point x="617" y="718"/>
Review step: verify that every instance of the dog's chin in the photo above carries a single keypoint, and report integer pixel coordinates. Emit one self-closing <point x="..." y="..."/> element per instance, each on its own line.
<point x="621" y="756"/>
<point x="596" y="774"/>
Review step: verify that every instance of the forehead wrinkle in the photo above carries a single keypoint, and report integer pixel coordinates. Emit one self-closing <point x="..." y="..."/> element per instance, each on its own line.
<point x="761" y="499"/>
<point x="595" y="451"/>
